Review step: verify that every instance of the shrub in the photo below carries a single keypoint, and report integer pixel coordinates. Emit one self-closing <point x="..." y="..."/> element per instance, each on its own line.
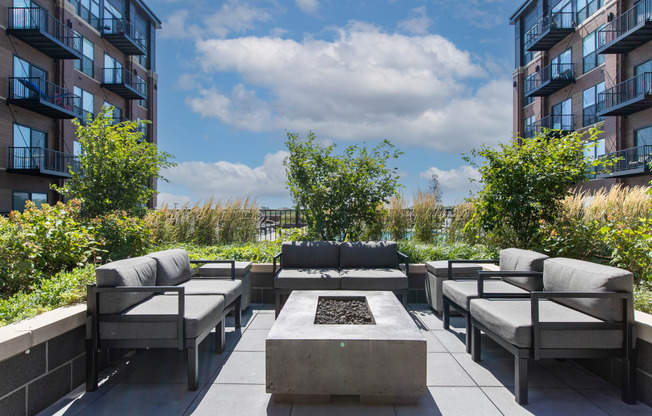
<point x="428" y="216"/>
<point x="643" y="297"/>
<point x="420" y="253"/>
<point x="121" y="236"/>
<point x="397" y="220"/>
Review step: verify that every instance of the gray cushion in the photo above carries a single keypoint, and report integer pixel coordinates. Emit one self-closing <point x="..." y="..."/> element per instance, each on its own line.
<point x="373" y="279"/>
<point x="440" y="269"/>
<point x="172" y="267"/>
<point x="307" y="279"/>
<point x="310" y="254"/>
<point x="368" y="254"/>
<point x="224" y="269"/>
<point x="230" y="289"/>
<point x="514" y="259"/>
<point x="201" y="313"/>
<point x="461" y="291"/>
<point x="570" y="275"/>
<point x="511" y="319"/>
<point x="139" y="271"/>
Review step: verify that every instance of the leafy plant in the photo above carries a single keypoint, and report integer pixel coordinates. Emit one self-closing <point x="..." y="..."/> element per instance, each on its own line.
<point x="397" y="219"/>
<point x="429" y="215"/>
<point x="121" y="236"/>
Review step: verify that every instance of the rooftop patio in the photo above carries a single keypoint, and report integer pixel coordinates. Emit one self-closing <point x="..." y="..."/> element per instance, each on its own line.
<point x="154" y="382"/>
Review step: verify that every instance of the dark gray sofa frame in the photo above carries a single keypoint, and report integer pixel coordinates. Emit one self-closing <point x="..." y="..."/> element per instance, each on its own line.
<point x="522" y="356"/>
<point x="94" y="344"/>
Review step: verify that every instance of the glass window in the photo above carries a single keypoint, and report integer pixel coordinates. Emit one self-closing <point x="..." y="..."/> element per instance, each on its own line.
<point x="19" y="199"/>
<point x="562" y="116"/>
<point x="591" y="59"/>
<point x="89" y="10"/>
<point x="596" y="150"/>
<point x="589" y="104"/>
<point x="586" y="8"/>
<point x="111" y="12"/>
<point x="28" y="145"/>
<point x="87" y="103"/>
<point x="76" y="148"/>
<point x="643" y="137"/>
<point x="561" y="65"/>
<point x="87" y="49"/>
<point x="528" y="127"/>
<point x="112" y="70"/>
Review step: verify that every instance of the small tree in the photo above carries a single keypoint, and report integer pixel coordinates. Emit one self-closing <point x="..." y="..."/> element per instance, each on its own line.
<point x="340" y="194"/>
<point x="524" y="184"/>
<point x="116" y="167"/>
<point x="434" y="188"/>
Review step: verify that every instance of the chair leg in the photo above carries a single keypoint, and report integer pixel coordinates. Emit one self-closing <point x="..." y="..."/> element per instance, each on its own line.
<point x="278" y="305"/>
<point x="237" y="312"/>
<point x="469" y="329"/>
<point x="476" y="343"/>
<point x="92" y="362"/>
<point x="193" y="368"/>
<point x="629" y="379"/>
<point x="520" y="380"/>
<point x="446" y="312"/>
<point x="220" y="337"/>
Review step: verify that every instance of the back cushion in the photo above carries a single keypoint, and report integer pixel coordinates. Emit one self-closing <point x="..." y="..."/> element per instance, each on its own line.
<point x="514" y="259"/>
<point x="310" y="254"/>
<point x="139" y="271"/>
<point x="172" y="267"/>
<point x="369" y="254"/>
<point x="570" y="275"/>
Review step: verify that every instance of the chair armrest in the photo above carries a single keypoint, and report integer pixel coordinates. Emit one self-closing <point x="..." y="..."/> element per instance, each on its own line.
<point x="461" y="261"/>
<point x="276" y="256"/>
<point x="232" y="262"/>
<point x="482" y="275"/>
<point x="406" y="260"/>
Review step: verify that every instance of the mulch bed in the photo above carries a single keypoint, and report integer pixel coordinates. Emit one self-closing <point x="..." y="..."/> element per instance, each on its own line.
<point x="343" y="312"/>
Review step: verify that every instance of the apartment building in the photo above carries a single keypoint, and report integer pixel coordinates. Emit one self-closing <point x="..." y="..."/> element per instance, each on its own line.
<point x="66" y="59"/>
<point x="581" y="64"/>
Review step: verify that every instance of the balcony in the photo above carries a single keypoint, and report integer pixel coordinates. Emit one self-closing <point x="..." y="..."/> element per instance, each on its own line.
<point x="549" y="30"/>
<point x="550" y="79"/>
<point x="36" y="27"/>
<point x="626" y="98"/>
<point x="628" y="162"/>
<point x="40" y="161"/>
<point x="627" y="32"/>
<point x="124" y="83"/>
<point x="563" y="122"/>
<point x="124" y="36"/>
<point x="43" y="97"/>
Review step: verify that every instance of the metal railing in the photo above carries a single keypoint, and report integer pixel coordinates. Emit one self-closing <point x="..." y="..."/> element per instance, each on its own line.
<point x="625" y="91"/>
<point x="115" y="26"/>
<point x="549" y="73"/>
<point x="586" y="11"/>
<point x="558" y="20"/>
<point x="625" y="22"/>
<point x="35" y="88"/>
<point x="38" y="158"/>
<point x="30" y="18"/>
<point x="628" y="159"/>
<point x="589" y="117"/>
<point x="563" y="122"/>
<point x="122" y="76"/>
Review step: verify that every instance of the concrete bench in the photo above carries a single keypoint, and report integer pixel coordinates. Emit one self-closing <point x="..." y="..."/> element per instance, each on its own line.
<point x="152" y="302"/>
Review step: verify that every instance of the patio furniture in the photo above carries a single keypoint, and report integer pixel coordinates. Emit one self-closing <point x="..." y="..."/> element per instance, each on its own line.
<point x="152" y="302"/>
<point x="584" y="310"/>
<point x="520" y="271"/>
<point x="437" y="272"/>
<point x="328" y="265"/>
<point x="223" y="271"/>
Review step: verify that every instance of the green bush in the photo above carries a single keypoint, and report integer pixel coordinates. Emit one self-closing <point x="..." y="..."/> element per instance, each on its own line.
<point x="122" y="236"/>
<point x="262" y="252"/>
<point x="421" y="253"/>
<point x="643" y="297"/>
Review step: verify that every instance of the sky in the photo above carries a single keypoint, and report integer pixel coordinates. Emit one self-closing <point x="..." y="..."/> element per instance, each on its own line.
<point x="235" y="76"/>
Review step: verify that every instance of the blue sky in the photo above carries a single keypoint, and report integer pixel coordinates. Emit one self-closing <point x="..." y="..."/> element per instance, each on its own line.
<point x="433" y="77"/>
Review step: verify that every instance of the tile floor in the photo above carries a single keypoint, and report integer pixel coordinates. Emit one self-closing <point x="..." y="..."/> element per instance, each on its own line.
<point x="233" y="383"/>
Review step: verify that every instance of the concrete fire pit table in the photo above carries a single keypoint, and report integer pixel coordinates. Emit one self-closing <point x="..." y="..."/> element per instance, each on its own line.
<point x="383" y="362"/>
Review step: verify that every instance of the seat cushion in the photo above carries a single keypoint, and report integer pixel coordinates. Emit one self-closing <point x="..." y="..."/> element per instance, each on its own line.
<point x="172" y="267"/>
<point x="224" y="269"/>
<point x="139" y="271"/>
<point x="513" y="259"/>
<point x="230" y="289"/>
<point x="440" y="269"/>
<point x="369" y="255"/>
<point x="201" y="313"/>
<point x="307" y="279"/>
<point x="373" y="279"/>
<point x="511" y="319"/>
<point x="570" y="275"/>
<point x="310" y="255"/>
<point x="461" y="291"/>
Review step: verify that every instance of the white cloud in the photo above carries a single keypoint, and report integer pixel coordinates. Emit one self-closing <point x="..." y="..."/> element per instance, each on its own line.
<point x="455" y="183"/>
<point x="418" y="22"/>
<point x="308" y="6"/>
<point x="171" y="200"/>
<point x="226" y="179"/>
<point x="364" y="84"/>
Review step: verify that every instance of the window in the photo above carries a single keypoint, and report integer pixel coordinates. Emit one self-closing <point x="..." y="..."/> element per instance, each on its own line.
<point x="561" y="65"/>
<point x="88" y="10"/>
<point x="528" y="129"/>
<point x="595" y="149"/>
<point x="115" y="112"/>
<point x="87" y="104"/>
<point x="111" y="12"/>
<point x="585" y="8"/>
<point x="562" y="116"/>
<point x="143" y="103"/>
<point x="643" y="137"/>
<point x="87" y="49"/>
<point x="589" y="104"/>
<point x="112" y="70"/>
<point x="28" y="145"/>
<point x="24" y="69"/>
<point x="19" y="199"/>
<point x="591" y="59"/>
<point x="143" y="128"/>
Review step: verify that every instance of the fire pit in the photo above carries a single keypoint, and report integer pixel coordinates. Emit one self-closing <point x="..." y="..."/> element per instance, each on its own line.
<point x="375" y="352"/>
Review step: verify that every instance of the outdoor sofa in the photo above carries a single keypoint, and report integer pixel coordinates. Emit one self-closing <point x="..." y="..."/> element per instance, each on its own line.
<point x="328" y="265"/>
<point x="153" y="302"/>
<point x="520" y="272"/>
<point x="583" y="310"/>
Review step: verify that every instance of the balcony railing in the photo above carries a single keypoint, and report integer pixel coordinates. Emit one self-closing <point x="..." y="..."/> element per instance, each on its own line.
<point x="43" y="97"/>
<point x="550" y="79"/>
<point x="563" y="122"/>
<point x="124" y="83"/>
<point x="628" y="97"/>
<point x="628" y="31"/>
<point x="36" y="27"/>
<point x="628" y="162"/>
<point x="549" y="30"/>
<point x="41" y="161"/>
<point x="124" y="36"/>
